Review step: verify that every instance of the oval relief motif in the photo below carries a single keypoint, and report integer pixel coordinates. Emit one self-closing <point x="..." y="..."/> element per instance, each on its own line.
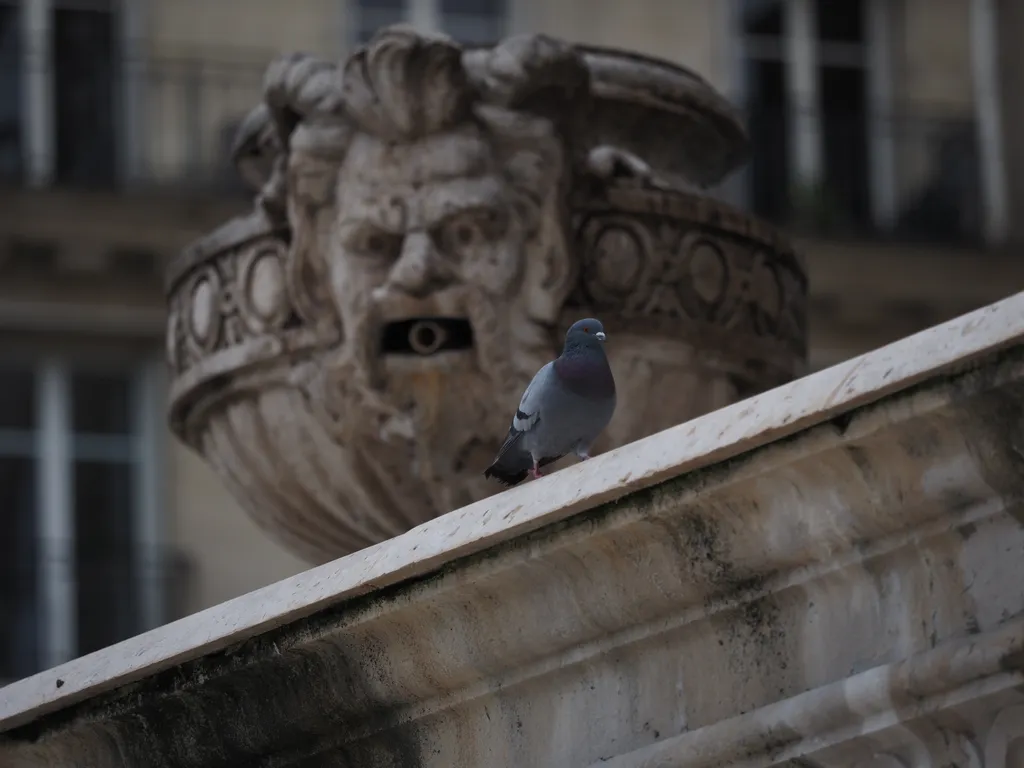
<point x="613" y="265"/>
<point x="708" y="272"/>
<point x="262" y="292"/>
<point x="203" y="312"/>
<point x="617" y="260"/>
<point x="705" y="277"/>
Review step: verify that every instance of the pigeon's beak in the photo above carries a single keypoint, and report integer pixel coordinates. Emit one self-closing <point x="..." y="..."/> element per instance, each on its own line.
<point x="600" y="336"/>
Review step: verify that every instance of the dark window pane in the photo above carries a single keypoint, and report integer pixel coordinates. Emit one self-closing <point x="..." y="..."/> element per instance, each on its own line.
<point x="762" y="17"/>
<point x="382" y="5"/>
<point x="943" y="204"/>
<point x="768" y="122"/>
<point x="104" y="555"/>
<point x="374" y="14"/>
<point x="840" y="21"/>
<point x="474" y="22"/>
<point x="11" y="72"/>
<point x="17" y="398"/>
<point x="845" y="134"/>
<point x="474" y="7"/>
<point x="101" y="403"/>
<point x="85" y="95"/>
<point x="474" y="30"/>
<point x="19" y="603"/>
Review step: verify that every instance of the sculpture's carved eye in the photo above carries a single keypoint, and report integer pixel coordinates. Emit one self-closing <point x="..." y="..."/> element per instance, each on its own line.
<point x="462" y="233"/>
<point x="374" y="243"/>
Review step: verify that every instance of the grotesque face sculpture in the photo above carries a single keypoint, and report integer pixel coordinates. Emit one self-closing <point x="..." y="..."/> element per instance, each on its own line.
<point x="428" y="248"/>
<point x="348" y="356"/>
<point x="428" y="223"/>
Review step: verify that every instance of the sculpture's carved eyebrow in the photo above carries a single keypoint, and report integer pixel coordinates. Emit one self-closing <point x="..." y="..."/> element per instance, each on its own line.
<point x="439" y="202"/>
<point x="469" y="162"/>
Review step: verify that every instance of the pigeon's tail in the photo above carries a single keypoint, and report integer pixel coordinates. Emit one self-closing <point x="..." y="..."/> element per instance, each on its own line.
<point x="512" y="466"/>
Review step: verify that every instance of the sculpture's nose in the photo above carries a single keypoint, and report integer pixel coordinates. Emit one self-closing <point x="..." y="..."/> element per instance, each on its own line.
<point x="417" y="271"/>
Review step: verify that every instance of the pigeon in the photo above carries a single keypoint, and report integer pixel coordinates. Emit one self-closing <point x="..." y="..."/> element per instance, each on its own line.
<point x="566" y="406"/>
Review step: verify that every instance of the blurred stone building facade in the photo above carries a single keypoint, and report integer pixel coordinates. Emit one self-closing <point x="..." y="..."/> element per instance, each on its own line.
<point x="885" y="138"/>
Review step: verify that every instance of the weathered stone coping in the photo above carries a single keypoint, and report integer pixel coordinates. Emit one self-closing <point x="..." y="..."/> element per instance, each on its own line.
<point x="463" y="607"/>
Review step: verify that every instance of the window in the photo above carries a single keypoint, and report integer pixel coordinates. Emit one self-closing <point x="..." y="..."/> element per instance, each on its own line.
<point x="85" y="61"/>
<point x="60" y="91"/>
<point x="809" y="129"/>
<point x="80" y="568"/>
<point x="471" y="22"/>
<point x="11" y="74"/>
<point x="374" y="14"/>
<point x="19" y="550"/>
<point x="832" y="151"/>
<point x="474" y="22"/>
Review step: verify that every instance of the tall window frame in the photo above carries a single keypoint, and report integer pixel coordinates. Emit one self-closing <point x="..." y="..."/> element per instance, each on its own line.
<point x="801" y="53"/>
<point x="798" y="49"/>
<point x="38" y="74"/>
<point x="63" y="438"/>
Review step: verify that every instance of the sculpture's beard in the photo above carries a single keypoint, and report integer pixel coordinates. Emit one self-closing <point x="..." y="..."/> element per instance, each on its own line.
<point x="433" y="417"/>
<point x="467" y="390"/>
<point x="435" y="421"/>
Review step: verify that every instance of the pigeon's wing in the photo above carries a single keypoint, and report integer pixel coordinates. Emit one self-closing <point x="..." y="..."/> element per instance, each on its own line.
<point x="528" y="413"/>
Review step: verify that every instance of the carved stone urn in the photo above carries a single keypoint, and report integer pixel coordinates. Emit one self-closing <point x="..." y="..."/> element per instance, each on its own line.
<point x="429" y="219"/>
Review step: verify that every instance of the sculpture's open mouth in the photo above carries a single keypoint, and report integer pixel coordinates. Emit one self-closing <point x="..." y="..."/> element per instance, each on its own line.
<point x="425" y="336"/>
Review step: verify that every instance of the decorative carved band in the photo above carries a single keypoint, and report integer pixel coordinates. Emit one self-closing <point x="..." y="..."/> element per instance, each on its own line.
<point x="659" y="261"/>
<point x="652" y="261"/>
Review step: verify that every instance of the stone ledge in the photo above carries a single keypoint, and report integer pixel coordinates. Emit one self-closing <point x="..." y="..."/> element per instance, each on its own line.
<point x="724" y="574"/>
<point x="861" y="708"/>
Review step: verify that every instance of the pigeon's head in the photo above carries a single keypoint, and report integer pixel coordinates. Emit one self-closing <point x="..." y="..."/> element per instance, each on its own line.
<point x="585" y="332"/>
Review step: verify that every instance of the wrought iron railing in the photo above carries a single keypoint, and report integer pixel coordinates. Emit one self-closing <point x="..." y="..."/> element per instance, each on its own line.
<point x="165" y="123"/>
<point x="169" y="124"/>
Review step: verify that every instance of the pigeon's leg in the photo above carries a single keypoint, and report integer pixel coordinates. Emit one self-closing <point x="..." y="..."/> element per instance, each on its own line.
<point x="583" y="451"/>
<point x="535" y="470"/>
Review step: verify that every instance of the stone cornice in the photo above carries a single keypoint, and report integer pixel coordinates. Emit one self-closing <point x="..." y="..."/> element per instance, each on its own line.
<point x="829" y="569"/>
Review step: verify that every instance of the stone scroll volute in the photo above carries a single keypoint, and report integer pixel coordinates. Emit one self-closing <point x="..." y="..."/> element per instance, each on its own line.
<point x="428" y="221"/>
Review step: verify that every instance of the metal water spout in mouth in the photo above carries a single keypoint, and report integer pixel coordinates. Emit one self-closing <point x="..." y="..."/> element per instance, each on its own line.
<point x="426" y="336"/>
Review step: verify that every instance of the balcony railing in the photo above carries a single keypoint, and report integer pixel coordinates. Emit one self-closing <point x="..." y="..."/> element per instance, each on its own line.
<point x="906" y="177"/>
<point x="169" y="124"/>
<point x="190" y="111"/>
<point x="164" y="124"/>
<point x="108" y="602"/>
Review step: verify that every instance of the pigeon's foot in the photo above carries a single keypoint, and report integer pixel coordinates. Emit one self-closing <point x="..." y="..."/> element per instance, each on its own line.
<point x="535" y="472"/>
<point x="584" y="456"/>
